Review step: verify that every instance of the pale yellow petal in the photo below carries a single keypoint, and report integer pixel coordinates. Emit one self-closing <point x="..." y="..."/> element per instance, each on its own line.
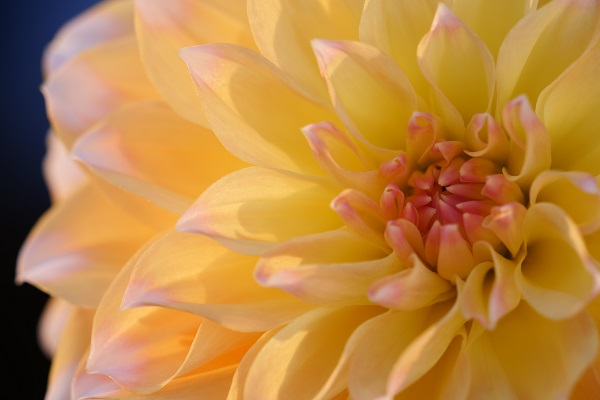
<point x="211" y="281"/>
<point x="94" y="84"/>
<point x="283" y="31"/>
<point x="103" y="22"/>
<point x="165" y="27"/>
<point x="370" y="92"/>
<point x="324" y="268"/>
<point x="558" y="276"/>
<point x="305" y="353"/>
<point x="542" y="45"/>
<point x="61" y="174"/>
<point x="83" y="239"/>
<point x="455" y="61"/>
<point x="530" y="357"/>
<point x="570" y="112"/>
<point x="131" y="148"/>
<point x="255" y="207"/>
<point x="225" y="74"/>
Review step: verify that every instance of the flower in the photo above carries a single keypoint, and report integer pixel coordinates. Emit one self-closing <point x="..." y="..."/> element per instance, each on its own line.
<point x="323" y="199"/>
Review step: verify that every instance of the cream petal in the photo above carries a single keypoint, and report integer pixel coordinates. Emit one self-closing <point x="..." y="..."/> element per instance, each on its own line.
<point x="205" y="268"/>
<point x="285" y="40"/>
<point x="455" y="61"/>
<point x="329" y="267"/>
<point x="396" y="27"/>
<point x="94" y="84"/>
<point x="576" y="193"/>
<point x="103" y="22"/>
<point x="225" y="74"/>
<point x="165" y="27"/>
<point x="568" y="108"/>
<point x="491" y="20"/>
<point x="52" y="322"/>
<point x="131" y="147"/>
<point x="558" y="276"/>
<point x="370" y="92"/>
<point x="83" y="239"/>
<point x="61" y="174"/>
<point x="530" y="357"/>
<point x="255" y="207"/>
<point x="559" y="32"/>
<point x="306" y="353"/>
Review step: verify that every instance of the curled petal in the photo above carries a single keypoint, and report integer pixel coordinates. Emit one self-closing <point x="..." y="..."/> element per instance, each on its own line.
<point x="361" y="214"/>
<point x="405" y="239"/>
<point x="506" y="222"/>
<point x="485" y="138"/>
<point x="558" y="276"/>
<point x="455" y="255"/>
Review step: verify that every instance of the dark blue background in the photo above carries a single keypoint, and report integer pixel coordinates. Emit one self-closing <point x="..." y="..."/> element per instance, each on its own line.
<point x="26" y="27"/>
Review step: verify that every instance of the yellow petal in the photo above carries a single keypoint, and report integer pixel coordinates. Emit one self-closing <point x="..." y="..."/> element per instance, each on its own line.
<point x="370" y="92"/>
<point x="255" y="207"/>
<point x="131" y="148"/>
<point x="211" y="281"/>
<point x="558" y="277"/>
<point x="283" y="34"/>
<point x="308" y="350"/>
<point x="323" y="268"/>
<point x="103" y="22"/>
<point x="94" y="84"/>
<point x="576" y="193"/>
<point x="54" y="317"/>
<point x="396" y="27"/>
<point x="165" y="27"/>
<point x="455" y="61"/>
<point x="225" y="74"/>
<point x="491" y="20"/>
<point x="570" y="112"/>
<point x="530" y="357"/>
<point x="541" y="46"/>
<point x="61" y="174"/>
<point x="82" y="239"/>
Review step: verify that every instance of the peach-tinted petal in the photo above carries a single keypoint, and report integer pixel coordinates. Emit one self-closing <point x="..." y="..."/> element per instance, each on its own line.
<point x="370" y="92"/>
<point x="165" y="27"/>
<point x="84" y="238"/>
<point x="558" y="277"/>
<point x="485" y="138"/>
<point x="325" y="267"/>
<point x="283" y="34"/>
<point x="61" y="174"/>
<point x="576" y="193"/>
<point x="570" y="112"/>
<point x="204" y="268"/>
<point x="559" y="32"/>
<point x="455" y="256"/>
<point x="456" y="61"/>
<point x="506" y="362"/>
<point x="54" y="318"/>
<point x="307" y="351"/>
<point x="396" y="27"/>
<point x="225" y="74"/>
<point x="529" y="152"/>
<point x="131" y="147"/>
<point x="104" y="22"/>
<point x="94" y="84"/>
<point x="255" y="207"/>
<point x="506" y="222"/>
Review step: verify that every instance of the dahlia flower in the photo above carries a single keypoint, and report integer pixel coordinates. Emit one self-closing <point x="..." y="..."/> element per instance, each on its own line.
<point x="322" y="199"/>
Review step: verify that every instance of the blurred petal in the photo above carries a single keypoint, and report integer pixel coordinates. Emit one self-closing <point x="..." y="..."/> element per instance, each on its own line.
<point x="61" y="174"/>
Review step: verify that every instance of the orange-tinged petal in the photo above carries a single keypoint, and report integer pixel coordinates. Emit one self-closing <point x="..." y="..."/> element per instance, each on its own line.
<point x="308" y="349"/>
<point x="131" y="147"/>
<point x="94" y="84"/>
<point x="103" y="22"/>
<point x="370" y="92"/>
<point x="61" y="174"/>
<point x="506" y="362"/>
<point x="455" y="61"/>
<point x="283" y="35"/>
<point x="559" y="32"/>
<point x="329" y="267"/>
<point x="455" y="256"/>
<point x="570" y="112"/>
<point x="83" y="239"/>
<point x="506" y="222"/>
<point x="165" y="27"/>
<point x="225" y="74"/>
<point x="558" y="276"/>
<point x="255" y="207"/>
<point x="204" y="269"/>
<point x="54" y="318"/>
<point x="396" y="27"/>
<point x="577" y="193"/>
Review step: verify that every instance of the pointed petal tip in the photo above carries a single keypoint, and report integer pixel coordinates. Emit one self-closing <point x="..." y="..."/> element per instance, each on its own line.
<point x="444" y="18"/>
